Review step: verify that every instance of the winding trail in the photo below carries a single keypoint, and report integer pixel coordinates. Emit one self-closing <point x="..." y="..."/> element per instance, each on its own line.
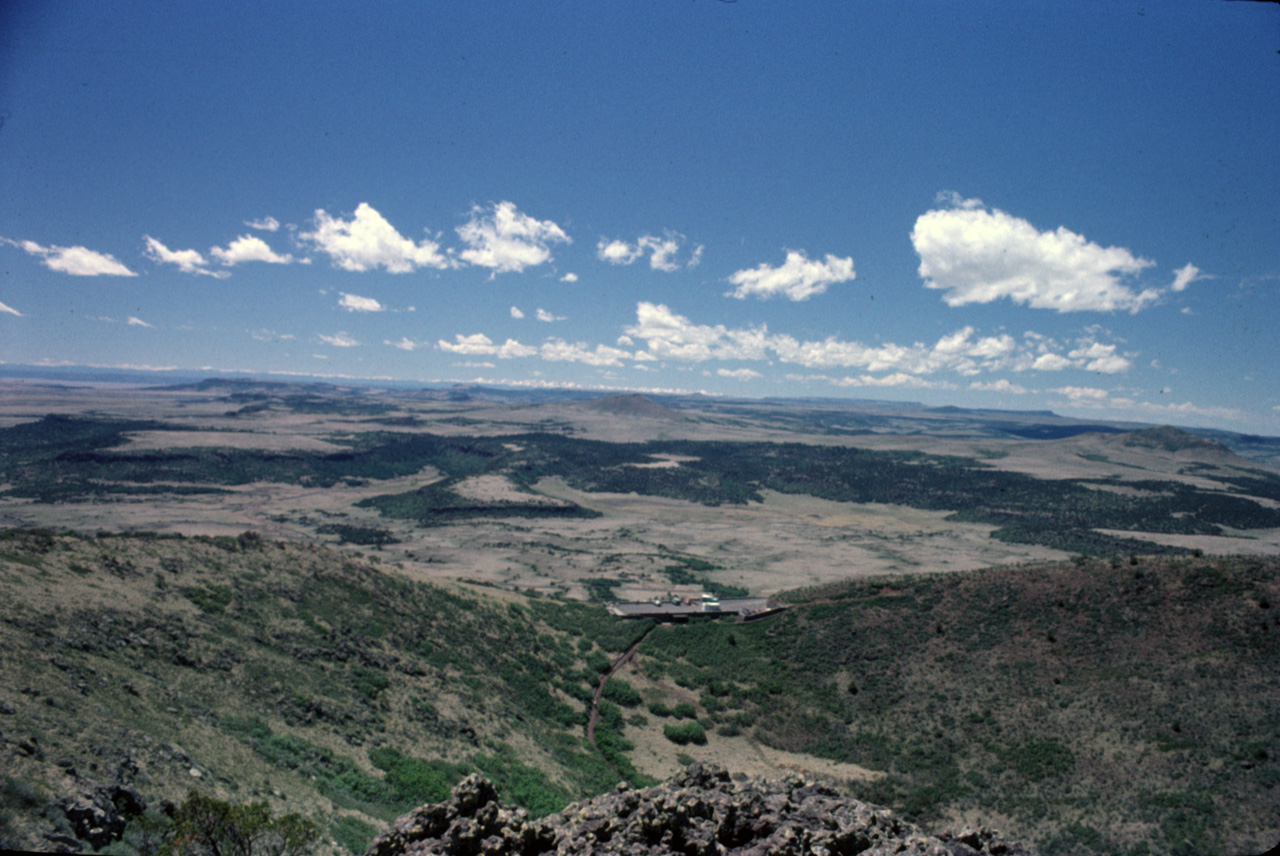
<point x="613" y="669"/>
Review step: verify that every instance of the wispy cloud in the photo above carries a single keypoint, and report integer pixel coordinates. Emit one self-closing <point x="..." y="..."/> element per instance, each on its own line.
<point x="739" y="374"/>
<point x="339" y="340"/>
<point x="504" y="239"/>
<point x="977" y="255"/>
<point x="367" y="242"/>
<point x="187" y="261"/>
<point x="137" y="322"/>
<point x="951" y="199"/>
<point x="1185" y="275"/>
<point x="356" y="303"/>
<point x="798" y="278"/>
<point x="266" y="224"/>
<point x="1092" y="398"/>
<point x="405" y="344"/>
<point x="9" y="310"/>
<point x="1001" y="385"/>
<point x="265" y="335"/>
<point x="76" y="261"/>
<point x="897" y="379"/>
<point x="558" y="350"/>
<point x="544" y="315"/>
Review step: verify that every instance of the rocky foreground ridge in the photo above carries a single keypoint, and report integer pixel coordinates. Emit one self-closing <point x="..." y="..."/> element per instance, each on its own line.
<point x="699" y="812"/>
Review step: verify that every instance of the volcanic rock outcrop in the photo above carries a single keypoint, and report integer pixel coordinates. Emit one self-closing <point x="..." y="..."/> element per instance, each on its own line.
<point x="700" y="812"/>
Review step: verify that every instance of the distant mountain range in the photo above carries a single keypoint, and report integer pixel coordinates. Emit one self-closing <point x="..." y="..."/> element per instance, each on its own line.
<point x="831" y="414"/>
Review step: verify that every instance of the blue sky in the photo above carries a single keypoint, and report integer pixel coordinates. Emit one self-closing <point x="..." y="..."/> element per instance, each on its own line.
<point x="1070" y="206"/>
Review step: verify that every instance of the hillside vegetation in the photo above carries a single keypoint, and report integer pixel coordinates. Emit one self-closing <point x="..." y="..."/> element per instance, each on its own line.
<point x="1107" y="707"/>
<point x="1118" y="707"/>
<point x="277" y="672"/>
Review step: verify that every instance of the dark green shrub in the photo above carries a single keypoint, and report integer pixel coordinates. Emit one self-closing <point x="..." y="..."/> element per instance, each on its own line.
<point x="352" y="834"/>
<point x="620" y="692"/>
<point x="368" y="682"/>
<point x="598" y="662"/>
<point x="417" y="781"/>
<point x="684" y="733"/>
<point x="203" y="825"/>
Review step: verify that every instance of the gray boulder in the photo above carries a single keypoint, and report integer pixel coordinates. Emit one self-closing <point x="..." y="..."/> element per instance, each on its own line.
<point x="700" y="812"/>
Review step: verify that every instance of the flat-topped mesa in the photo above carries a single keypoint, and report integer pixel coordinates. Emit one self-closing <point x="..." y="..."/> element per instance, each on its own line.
<point x="699" y="811"/>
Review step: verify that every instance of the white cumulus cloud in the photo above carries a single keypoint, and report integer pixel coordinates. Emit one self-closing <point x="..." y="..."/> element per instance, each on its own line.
<point x="249" y="248"/>
<point x="356" y="303"/>
<point x="506" y="240"/>
<point x="1082" y="394"/>
<point x="367" y="242"/>
<point x="544" y="315"/>
<point x="661" y="251"/>
<point x="979" y="256"/>
<point x="1097" y="357"/>
<point x="76" y="261"/>
<point x="480" y="344"/>
<point x="1051" y="363"/>
<point x="569" y="277"/>
<point x="798" y="278"/>
<point x="671" y="336"/>
<point x="516" y="313"/>
<point x="617" y="252"/>
<point x="266" y="224"/>
<point x="512" y="349"/>
<point x="405" y="343"/>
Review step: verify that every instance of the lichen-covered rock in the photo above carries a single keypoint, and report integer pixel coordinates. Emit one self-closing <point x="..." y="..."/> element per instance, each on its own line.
<point x="699" y="812"/>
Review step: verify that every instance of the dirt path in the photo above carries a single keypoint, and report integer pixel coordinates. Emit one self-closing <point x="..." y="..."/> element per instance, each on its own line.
<point x="613" y="669"/>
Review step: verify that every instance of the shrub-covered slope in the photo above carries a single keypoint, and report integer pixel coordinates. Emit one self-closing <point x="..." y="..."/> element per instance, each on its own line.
<point x="1090" y="707"/>
<point x="268" y="671"/>
<point x="1107" y="707"/>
